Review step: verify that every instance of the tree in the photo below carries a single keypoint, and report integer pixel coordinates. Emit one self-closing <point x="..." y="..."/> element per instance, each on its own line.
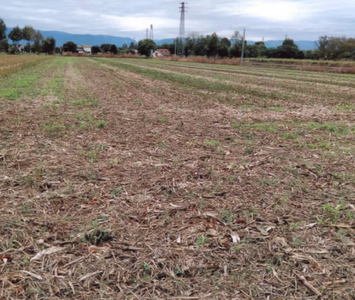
<point x="132" y="46"/>
<point x="3" y="40"/>
<point x="16" y="35"/>
<point x="38" y="37"/>
<point x="2" y="30"/>
<point x="113" y="49"/>
<point x="146" y="47"/>
<point x="27" y="48"/>
<point x="288" y="49"/>
<point x="105" y="48"/>
<point x="13" y="49"/>
<point x="48" y="45"/>
<point x="57" y="50"/>
<point x="28" y="33"/>
<point x="95" y="50"/>
<point x="69" y="47"/>
<point x="236" y="37"/>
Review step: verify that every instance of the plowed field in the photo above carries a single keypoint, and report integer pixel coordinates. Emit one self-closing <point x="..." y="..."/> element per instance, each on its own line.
<point x="149" y="179"/>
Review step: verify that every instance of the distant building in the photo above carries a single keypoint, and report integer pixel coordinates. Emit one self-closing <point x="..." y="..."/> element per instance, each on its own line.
<point x="161" y="52"/>
<point x="83" y="49"/>
<point x="21" y="48"/>
<point x="87" y="48"/>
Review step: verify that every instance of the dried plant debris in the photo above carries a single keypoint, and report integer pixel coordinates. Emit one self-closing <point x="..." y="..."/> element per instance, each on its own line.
<point x="152" y="179"/>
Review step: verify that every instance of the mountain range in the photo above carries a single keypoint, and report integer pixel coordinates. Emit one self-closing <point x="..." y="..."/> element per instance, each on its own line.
<point x="89" y="39"/>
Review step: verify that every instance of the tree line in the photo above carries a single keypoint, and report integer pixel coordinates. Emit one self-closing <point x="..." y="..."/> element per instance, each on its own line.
<point x="326" y="48"/>
<point x="104" y="48"/>
<point x="35" y="41"/>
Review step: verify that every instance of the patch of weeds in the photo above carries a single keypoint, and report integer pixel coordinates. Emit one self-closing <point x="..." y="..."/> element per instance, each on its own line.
<point x="9" y="94"/>
<point x="212" y="143"/>
<point x="345" y="107"/>
<point x="92" y="156"/>
<point x="277" y="108"/>
<point x="116" y="192"/>
<point x="146" y="272"/>
<point x="101" y="124"/>
<point x="249" y="152"/>
<point x="82" y="126"/>
<point x="84" y="102"/>
<point x="294" y="225"/>
<point x="98" y="236"/>
<point x="296" y="241"/>
<point x="227" y="216"/>
<point x="201" y="240"/>
<point x="332" y="212"/>
<point x="290" y="136"/>
<point x="54" y="129"/>
<point x="164" y="118"/>
<point x="247" y="135"/>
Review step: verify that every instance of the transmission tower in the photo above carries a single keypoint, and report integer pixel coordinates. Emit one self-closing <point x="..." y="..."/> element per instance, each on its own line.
<point x="182" y="26"/>
<point x="151" y="32"/>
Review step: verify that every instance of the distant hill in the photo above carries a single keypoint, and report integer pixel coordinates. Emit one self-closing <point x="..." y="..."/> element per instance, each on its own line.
<point x="89" y="39"/>
<point x="302" y="45"/>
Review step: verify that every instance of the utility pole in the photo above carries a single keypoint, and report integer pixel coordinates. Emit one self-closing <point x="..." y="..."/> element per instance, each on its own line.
<point x="151" y="32"/>
<point x="241" y="59"/>
<point x="175" y="46"/>
<point x="182" y="26"/>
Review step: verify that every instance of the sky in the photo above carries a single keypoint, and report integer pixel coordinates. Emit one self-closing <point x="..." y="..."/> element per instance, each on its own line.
<point x="273" y="20"/>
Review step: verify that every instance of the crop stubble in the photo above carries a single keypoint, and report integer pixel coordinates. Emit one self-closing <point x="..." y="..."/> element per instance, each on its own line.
<point x="141" y="187"/>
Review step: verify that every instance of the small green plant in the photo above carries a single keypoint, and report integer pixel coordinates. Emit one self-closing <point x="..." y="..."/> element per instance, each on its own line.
<point x="164" y="118"/>
<point x="213" y="143"/>
<point x="290" y="136"/>
<point x="54" y="129"/>
<point x="98" y="236"/>
<point x="116" y="192"/>
<point x="294" y="225"/>
<point x="227" y="216"/>
<point x="92" y="156"/>
<point x="201" y="240"/>
<point x="101" y="124"/>
<point x="332" y="212"/>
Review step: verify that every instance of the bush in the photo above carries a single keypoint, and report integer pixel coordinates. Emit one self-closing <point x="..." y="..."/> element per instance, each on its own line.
<point x="13" y="49"/>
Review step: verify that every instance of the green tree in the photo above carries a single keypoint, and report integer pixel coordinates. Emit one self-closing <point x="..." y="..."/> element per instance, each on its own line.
<point x="16" y="35"/>
<point x="95" y="49"/>
<point x="146" y="47"/>
<point x="38" y="37"/>
<point x="105" y="48"/>
<point x="48" y="45"/>
<point x="13" y="49"/>
<point x="3" y="40"/>
<point x="2" y="30"/>
<point x="69" y="47"/>
<point x="28" y="33"/>
<point x="288" y="49"/>
<point x="170" y="47"/>
<point x="113" y="49"/>
<point x="132" y="46"/>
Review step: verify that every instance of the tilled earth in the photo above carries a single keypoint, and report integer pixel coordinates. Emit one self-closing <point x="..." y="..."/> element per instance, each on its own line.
<point x="118" y="182"/>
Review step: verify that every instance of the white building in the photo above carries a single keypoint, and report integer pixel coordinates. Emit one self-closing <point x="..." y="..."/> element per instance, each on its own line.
<point x="161" y="52"/>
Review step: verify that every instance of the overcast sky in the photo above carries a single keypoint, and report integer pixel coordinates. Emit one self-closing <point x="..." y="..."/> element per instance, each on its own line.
<point x="299" y="19"/>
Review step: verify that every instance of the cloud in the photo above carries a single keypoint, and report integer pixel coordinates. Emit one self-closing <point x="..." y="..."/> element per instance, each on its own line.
<point x="299" y="19"/>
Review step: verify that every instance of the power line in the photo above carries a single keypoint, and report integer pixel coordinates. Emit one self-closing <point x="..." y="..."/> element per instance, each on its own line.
<point x="182" y="26"/>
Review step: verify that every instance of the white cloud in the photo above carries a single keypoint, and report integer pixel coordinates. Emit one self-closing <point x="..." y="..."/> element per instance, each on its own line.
<point x="300" y="19"/>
